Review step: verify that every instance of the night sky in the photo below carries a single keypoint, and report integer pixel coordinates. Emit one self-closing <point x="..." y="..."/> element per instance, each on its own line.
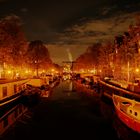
<point x="72" y="25"/>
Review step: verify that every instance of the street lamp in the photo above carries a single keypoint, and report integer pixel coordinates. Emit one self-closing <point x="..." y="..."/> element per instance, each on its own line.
<point x="137" y="70"/>
<point x="128" y="71"/>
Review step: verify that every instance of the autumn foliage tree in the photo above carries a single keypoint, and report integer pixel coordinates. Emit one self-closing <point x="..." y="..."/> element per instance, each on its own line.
<point x="104" y="58"/>
<point x="13" y="38"/>
<point x="37" y="55"/>
<point x="89" y="59"/>
<point x="12" y="41"/>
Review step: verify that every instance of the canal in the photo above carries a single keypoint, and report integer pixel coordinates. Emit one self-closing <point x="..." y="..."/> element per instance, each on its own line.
<point x="68" y="112"/>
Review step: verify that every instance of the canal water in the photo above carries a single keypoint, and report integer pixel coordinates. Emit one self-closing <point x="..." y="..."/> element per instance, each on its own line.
<point x="68" y="112"/>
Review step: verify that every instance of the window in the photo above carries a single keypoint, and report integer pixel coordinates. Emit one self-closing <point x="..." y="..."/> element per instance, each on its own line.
<point x="4" y="91"/>
<point x="15" y="88"/>
<point x="136" y="113"/>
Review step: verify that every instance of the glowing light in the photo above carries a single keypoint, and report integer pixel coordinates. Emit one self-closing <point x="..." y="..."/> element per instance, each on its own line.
<point x="139" y="42"/>
<point x="93" y="71"/>
<point x="26" y="71"/>
<point x="17" y="74"/>
<point x="137" y="70"/>
<point x="9" y="71"/>
<point x="82" y="70"/>
<point x="52" y="70"/>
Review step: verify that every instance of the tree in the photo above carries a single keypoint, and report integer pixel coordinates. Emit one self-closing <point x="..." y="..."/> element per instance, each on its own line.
<point x="105" y="56"/>
<point x="89" y="59"/>
<point x="12" y="41"/>
<point x="37" y="55"/>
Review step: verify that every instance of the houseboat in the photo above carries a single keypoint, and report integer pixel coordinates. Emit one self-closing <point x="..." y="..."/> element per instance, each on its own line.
<point x="107" y="89"/>
<point x="128" y="111"/>
<point x="10" y="90"/>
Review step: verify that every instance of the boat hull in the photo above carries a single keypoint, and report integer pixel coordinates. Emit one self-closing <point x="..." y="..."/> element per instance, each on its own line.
<point x="11" y="91"/>
<point x="7" y="101"/>
<point x="129" y="121"/>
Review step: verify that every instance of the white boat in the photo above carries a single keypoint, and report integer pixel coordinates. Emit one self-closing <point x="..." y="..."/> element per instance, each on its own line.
<point x="10" y="90"/>
<point x="38" y="82"/>
<point x="128" y="111"/>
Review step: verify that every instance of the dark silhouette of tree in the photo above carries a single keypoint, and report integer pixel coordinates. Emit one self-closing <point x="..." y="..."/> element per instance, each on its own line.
<point x="89" y="59"/>
<point x="38" y="55"/>
<point x="105" y="58"/>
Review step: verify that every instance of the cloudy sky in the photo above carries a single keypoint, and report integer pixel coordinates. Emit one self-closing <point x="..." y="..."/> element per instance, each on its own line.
<point x="70" y="26"/>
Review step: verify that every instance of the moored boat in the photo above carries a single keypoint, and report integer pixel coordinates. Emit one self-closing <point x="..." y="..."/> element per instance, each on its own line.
<point x="108" y="89"/>
<point x="10" y="90"/>
<point x="128" y="111"/>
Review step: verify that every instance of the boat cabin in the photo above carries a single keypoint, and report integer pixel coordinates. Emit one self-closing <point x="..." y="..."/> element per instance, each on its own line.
<point x="134" y="111"/>
<point x="11" y="88"/>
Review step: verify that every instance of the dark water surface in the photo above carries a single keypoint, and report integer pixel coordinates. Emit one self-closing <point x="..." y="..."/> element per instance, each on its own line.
<point x="70" y="114"/>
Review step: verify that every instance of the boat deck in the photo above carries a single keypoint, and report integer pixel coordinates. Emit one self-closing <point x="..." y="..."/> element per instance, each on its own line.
<point x="4" y="81"/>
<point x="109" y="89"/>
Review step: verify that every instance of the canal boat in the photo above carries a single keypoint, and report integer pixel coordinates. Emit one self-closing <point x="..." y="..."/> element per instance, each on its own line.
<point x="11" y="90"/>
<point x="128" y="111"/>
<point x="43" y="81"/>
<point x="107" y="89"/>
<point x="38" y="82"/>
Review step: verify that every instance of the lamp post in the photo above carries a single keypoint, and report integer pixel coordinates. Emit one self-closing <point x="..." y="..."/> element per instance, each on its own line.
<point x="137" y="73"/>
<point x="128" y="71"/>
<point x="36" y="64"/>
